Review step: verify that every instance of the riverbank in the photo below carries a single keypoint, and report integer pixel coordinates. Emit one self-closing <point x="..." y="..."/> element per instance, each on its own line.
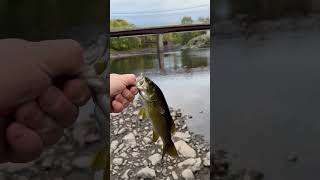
<point x="244" y="26"/>
<point x="134" y="156"/>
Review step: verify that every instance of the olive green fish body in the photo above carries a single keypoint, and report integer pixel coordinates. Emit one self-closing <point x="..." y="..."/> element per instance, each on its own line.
<point x="156" y="108"/>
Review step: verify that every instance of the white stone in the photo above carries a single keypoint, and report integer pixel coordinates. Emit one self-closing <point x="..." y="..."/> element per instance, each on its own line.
<point x="155" y="159"/>
<point x="113" y="146"/>
<point x="182" y="136"/>
<point x="117" y="161"/>
<point x="135" y="154"/>
<point x="184" y="149"/>
<point x="159" y="142"/>
<point x="130" y="139"/>
<point x="124" y="155"/>
<point x="193" y="164"/>
<point x="135" y="133"/>
<point x="121" y="121"/>
<point x="146" y="173"/>
<point x="82" y="162"/>
<point x="174" y="175"/>
<point x="187" y="174"/>
<point x="125" y="175"/>
<point x="121" y="131"/>
<point x="136" y="113"/>
<point x="15" y="167"/>
<point x="206" y="160"/>
<point x="146" y="140"/>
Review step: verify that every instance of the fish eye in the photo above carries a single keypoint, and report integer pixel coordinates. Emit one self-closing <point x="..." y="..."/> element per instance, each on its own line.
<point x="141" y="82"/>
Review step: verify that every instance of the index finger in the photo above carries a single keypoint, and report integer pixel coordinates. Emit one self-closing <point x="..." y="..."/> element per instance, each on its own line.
<point x="59" y="57"/>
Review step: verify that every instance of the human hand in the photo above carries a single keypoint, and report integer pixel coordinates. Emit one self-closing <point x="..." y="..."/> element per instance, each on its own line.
<point x="40" y="109"/>
<point x="122" y="91"/>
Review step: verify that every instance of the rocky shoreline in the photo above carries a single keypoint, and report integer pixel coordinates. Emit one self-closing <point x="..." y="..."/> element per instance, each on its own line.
<point x="134" y="156"/>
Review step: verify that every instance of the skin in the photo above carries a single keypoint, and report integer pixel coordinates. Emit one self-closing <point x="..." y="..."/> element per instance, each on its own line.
<point x="39" y="109"/>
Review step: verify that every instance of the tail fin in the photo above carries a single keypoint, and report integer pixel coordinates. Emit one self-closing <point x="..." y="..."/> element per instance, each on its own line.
<point x="170" y="149"/>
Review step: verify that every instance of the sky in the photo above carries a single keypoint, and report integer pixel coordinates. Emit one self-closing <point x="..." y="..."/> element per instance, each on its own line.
<point x="158" y="12"/>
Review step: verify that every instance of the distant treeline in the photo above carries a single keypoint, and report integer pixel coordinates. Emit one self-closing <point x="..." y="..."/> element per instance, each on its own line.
<point x="38" y="19"/>
<point x="149" y="41"/>
<point x="264" y="9"/>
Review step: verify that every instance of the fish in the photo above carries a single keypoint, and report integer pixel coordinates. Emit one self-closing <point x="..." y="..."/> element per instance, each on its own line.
<point x="156" y="109"/>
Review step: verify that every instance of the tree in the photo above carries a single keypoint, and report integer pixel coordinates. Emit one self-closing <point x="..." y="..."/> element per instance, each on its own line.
<point x="186" y="20"/>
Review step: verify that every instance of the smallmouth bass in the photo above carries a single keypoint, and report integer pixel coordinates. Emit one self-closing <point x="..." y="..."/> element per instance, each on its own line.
<point x="156" y="108"/>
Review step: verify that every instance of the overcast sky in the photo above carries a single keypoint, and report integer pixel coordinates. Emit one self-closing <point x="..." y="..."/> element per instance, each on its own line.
<point x="158" y="12"/>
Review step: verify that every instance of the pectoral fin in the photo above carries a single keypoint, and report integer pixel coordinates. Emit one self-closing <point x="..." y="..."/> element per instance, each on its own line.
<point x="155" y="136"/>
<point x="142" y="113"/>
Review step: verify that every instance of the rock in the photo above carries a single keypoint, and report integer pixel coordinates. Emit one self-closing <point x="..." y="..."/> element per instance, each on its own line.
<point x="79" y="175"/>
<point x="155" y="159"/>
<point x="255" y="175"/>
<point x="2" y="176"/>
<point x="146" y="140"/>
<point x="58" y="178"/>
<point x="183" y="136"/>
<point x="184" y="149"/>
<point x="159" y="142"/>
<point x="135" y="154"/>
<point x="293" y="157"/>
<point x="114" y="145"/>
<point x="193" y="164"/>
<point x="174" y="175"/>
<point x="67" y="147"/>
<point x="187" y="174"/>
<point x="146" y="173"/>
<point x="66" y="167"/>
<point x="135" y="113"/>
<point x="184" y="127"/>
<point x="119" y="148"/>
<point x="170" y="167"/>
<point x="135" y="133"/>
<point x="91" y="138"/>
<point x="82" y="162"/>
<point x="82" y="130"/>
<point x="206" y="160"/>
<point x="15" y="167"/>
<point x="121" y="121"/>
<point x="125" y="175"/>
<point x="121" y="131"/>
<point x="130" y="139"/>
<point x="124" y="155"/>
<point x="145" y="163"/>
<point x="117" y="161"/>
<point x="47" y="162"/>
<point x="22" y="178"/>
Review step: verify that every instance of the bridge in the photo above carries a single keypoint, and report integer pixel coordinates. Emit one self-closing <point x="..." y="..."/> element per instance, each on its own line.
<point x="159" y="31"/>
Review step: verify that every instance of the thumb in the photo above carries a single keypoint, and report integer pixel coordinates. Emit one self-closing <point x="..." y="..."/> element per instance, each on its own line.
<point x="60" y="57"/>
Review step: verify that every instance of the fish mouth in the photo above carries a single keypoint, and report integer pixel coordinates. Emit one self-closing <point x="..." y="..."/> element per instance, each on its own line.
<point x="140" y="82"/>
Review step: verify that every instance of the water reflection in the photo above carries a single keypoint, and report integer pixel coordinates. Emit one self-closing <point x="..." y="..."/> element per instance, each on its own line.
<point x="168" y="62"/>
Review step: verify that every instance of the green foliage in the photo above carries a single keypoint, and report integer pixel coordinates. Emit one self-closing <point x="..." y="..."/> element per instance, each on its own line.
<point x="186" y="20"/>
<point x="149" y="41"/>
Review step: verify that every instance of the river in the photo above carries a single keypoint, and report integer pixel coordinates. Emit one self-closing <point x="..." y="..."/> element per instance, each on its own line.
<point x="266" y="101"/>
<point x="184" y="78"/>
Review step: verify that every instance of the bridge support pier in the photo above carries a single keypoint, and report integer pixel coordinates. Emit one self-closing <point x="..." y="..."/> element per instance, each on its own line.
<point x="160" y="50"/>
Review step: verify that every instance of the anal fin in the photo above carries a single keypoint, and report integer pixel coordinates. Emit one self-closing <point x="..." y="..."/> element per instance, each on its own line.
<point x="155" y="136"/>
